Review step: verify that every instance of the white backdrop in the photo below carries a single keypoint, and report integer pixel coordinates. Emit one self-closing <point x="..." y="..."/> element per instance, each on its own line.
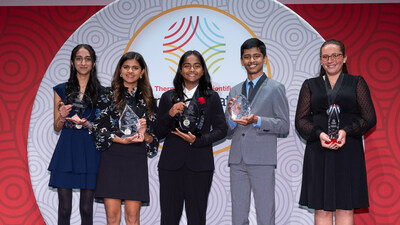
<point x="148" y="27"/>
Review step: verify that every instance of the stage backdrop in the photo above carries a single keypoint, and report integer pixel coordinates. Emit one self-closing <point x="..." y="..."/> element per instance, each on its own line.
<point x="162" y="32"/>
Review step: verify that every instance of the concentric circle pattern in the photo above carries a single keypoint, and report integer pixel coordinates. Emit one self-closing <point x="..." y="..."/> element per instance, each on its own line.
<point x="110" y="30"/>
<point x="368" y="31"/>
<point x="29" y="39"/>
<point x="35" y="47"/>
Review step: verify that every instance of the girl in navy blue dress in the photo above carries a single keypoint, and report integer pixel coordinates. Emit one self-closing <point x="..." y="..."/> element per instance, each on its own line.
<point x="123" y="172"/>
<point x="75" y="159"/>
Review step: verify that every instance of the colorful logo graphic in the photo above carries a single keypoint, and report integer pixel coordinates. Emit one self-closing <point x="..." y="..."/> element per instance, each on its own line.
<point x="208" y="36"/>
<point x="216" y="34"/>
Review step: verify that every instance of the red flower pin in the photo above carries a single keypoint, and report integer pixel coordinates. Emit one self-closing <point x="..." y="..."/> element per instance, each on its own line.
<point x="201" y="100"/>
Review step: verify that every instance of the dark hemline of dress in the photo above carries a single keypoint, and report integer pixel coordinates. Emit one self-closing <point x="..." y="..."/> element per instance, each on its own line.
<point x="75" y="160"/>
<point x="123" y="170"/>
<point x="123" y="173"/>
<point x="335" y="179"/>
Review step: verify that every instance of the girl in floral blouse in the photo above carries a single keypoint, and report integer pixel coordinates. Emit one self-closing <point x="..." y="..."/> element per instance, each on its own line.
<point x="123" y="172"/>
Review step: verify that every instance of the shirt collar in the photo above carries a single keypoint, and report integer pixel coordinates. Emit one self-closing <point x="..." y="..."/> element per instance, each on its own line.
<point x="189" y="94"/>
<point x="254" y="81"/>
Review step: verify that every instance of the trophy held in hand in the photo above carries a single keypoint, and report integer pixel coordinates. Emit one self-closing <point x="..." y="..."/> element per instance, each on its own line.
<point x="240" y="107"/>
<point x="80" y="103"/>
<point x="333" y="122"/>
<point x="192" y="118"/>
<point x="128" y="122"/>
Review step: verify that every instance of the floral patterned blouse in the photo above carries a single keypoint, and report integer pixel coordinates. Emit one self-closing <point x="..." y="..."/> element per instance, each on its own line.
<point x="106" y="123"/>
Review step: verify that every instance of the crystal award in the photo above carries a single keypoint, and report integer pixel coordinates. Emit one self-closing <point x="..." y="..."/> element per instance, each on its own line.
<point x="128" y="122"/>
<point x="333" y="122"/>
<point x="80" y="103"/>
<point x="189" y="119"/>
<point x="240" y="107"/>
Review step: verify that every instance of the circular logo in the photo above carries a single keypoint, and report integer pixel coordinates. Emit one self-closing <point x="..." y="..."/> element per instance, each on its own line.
<point x="216" y="34"/>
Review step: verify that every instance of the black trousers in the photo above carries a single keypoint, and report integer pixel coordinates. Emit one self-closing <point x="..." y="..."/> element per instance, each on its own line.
<point x="184" y="186"/>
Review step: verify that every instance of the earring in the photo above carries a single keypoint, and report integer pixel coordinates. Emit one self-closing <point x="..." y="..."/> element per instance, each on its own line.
<point x="140" y="77"/>
<point x="120" y="74"/>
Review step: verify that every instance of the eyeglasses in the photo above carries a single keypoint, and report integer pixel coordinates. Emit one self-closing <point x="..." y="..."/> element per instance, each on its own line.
<point x="196" y="66"/>
<point x="334" y="56"/>
<point x="80" y="59"/>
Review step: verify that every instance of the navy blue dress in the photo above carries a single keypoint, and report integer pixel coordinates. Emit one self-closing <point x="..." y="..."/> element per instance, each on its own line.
<point x="75" y="159"/>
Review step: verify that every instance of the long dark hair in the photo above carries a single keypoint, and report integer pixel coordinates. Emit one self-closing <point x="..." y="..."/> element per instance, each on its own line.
<point x="143" y="84"/>
<point x="93" y="86"/>
<point x="204" y="83"/>
<point x="342" y="49"/>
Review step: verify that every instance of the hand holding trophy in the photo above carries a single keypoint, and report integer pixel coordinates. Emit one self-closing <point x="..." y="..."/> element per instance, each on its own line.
<point x="129" y="123"/>
<point x="77" y="103"/>
<point x="139" y="135"/>
<point x="192" y="117"/>
<point x="240" y="107"/>
<point x="132" y="127"/>
<point x="142" y="129"/>
<point x="333" y="123"/>
<point x="64" y="110"/>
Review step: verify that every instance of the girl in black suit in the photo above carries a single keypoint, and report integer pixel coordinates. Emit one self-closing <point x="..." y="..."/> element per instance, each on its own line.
<point x="186" y="163"/>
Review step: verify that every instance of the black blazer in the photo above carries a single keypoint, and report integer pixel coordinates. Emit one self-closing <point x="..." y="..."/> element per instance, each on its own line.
<point x="176" y="152"/>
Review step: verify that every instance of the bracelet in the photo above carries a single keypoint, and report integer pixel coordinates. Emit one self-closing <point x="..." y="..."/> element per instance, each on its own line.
<point x="60" y="121"/>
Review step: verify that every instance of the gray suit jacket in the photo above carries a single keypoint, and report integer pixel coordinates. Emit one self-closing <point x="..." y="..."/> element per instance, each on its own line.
<point x="257" y="146"/>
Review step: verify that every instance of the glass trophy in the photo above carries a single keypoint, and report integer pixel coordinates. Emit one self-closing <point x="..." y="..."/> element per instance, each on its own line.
<point x="128" y="122"/>
<point x="240" y="108"/>
<point x="189" y="119"/>
<point x="333" y="122"/>
<point x="80" y="103"/>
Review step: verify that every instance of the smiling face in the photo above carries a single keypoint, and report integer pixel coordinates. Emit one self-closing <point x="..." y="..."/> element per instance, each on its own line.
<point x="332" y="59"/>
<point x="83" y="62"/>
<point x="192" y="71"/>
<point x="131" y="72"/>
<point x="253" y="61"/>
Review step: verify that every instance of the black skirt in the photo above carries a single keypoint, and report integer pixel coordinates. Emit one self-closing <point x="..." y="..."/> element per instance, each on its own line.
<point x="123" y="173"/>
<point x="335" y="179"/>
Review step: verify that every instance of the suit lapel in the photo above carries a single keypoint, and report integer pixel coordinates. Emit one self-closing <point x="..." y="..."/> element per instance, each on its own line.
<point x="258" y="85"/>
<point x="244" y="92"/>
<point x="255" y="90"/>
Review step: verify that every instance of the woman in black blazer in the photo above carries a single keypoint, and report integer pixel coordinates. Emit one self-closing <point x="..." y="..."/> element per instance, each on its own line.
<point x="186" y="163"/>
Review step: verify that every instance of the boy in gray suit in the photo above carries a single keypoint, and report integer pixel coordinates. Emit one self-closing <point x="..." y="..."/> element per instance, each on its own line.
<point x="252" y="157"/>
